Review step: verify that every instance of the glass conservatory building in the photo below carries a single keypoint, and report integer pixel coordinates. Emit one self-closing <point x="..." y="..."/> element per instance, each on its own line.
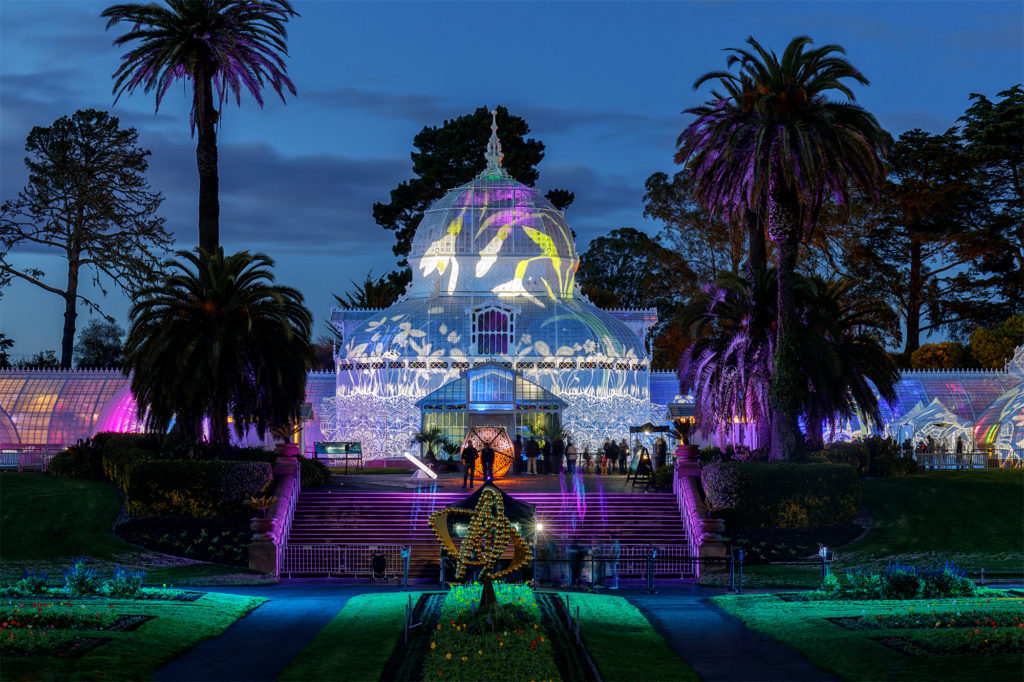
<point x="492" y="331"/>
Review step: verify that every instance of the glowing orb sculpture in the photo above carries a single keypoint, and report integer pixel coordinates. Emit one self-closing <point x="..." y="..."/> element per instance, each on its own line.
<point x="499" y="441"/>
<point x="487" y="538"/>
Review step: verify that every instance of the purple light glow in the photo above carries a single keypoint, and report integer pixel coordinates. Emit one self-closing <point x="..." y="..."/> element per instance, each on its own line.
<point x="119" y="414"/>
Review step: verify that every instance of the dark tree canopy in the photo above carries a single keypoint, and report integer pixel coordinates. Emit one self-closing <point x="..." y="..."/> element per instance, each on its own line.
<point x="373" y="293"/>
<point x="909" y="253"/>
<point x="99" y="345"/>
<point x="707" y="244"/>
<point x="994" y="137"/>
<point x="5" y="346"/>
<point x="450" y="155"/>
<point x="44" y="359"/>
<point x="628" y="269"/>
<point x="88" y="200"/>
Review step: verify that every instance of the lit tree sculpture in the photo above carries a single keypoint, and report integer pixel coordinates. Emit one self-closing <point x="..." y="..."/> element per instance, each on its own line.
<point x="487" y="538"/>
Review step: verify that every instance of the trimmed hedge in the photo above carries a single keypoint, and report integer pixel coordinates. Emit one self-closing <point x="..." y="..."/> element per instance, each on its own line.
<point x="782" y="494"/>
<point x="119" y="461"/>
<point x="202" y="489"/>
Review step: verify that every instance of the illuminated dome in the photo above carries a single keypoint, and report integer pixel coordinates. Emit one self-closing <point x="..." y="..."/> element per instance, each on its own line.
<point x="493" y="235"/>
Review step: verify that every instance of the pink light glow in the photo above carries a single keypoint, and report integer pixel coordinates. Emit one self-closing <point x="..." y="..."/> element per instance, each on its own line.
<point x="118" y="414"/>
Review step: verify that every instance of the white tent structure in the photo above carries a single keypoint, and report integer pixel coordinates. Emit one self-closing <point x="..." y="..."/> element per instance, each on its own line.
<point x="903" y="427"/>
<point x="942" y="425"/>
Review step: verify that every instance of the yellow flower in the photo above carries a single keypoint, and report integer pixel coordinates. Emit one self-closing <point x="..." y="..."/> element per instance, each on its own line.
<point x="433" y="645"/>
<point x="464" y="658"/>
<point x="448" y="656"/>
<point x="480" y="651"/>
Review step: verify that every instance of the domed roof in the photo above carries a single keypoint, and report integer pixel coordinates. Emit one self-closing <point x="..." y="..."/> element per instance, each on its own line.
<point x="495" y="236"/>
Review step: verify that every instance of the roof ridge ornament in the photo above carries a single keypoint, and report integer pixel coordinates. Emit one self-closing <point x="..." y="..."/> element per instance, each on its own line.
<point x="494" y="154"/>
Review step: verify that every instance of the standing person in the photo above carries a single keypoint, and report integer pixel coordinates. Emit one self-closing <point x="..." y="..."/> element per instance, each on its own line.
<point x="517" y="452"/>
<point x="623" y="456"/>
<point x="611" y="452"/>
<point x="570" y="457"/>
<point x="469" y="456"/>
<point x="557" y="453"/>
<point x="532" y="450"/>
<point x="586" y="458"/>
<point x="546" y="452"/>
<point x="487" y="462"/>
<point x="959" y="452"/>
<point x="660" y="453"/>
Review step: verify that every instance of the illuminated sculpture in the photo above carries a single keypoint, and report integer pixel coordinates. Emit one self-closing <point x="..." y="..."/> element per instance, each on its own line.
<point x="487" y="538"/>
<point x="498" y="439"/>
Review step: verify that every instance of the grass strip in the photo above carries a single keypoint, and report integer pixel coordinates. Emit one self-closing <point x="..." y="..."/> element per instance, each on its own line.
<point x="860" y="654"/>
<point x="623" y="643"/>
<point x="76" y="517"/>
<point x="356" y="644"/>
<point x="135" y="655"/>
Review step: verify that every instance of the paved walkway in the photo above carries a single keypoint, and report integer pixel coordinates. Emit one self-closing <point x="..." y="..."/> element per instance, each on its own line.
<point x="260" y="646"/>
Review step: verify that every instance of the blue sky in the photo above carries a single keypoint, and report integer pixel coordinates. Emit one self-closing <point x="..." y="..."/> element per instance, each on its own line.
<point x="601" y="84"/>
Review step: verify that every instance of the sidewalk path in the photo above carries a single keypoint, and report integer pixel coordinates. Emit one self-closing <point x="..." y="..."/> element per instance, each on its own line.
<point x="715" y="644"/>
<point x="260" y="646"/>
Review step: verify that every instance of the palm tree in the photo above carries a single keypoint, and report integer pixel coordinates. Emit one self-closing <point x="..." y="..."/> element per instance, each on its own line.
<point x="729" y="363"/>
<point x="432" y="437"/>
<point x="221" y="46"/>
<point x="772" y="145"/>
<point x="852" y="368"/>
<point x="373" y="294"/>
<point x="218" y="338"/>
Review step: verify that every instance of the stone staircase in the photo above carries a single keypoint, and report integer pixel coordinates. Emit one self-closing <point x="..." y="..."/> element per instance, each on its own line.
<point x="334" y="533"/>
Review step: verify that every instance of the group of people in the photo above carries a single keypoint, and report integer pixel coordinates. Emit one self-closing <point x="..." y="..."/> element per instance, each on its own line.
<point x="558" y="456"/>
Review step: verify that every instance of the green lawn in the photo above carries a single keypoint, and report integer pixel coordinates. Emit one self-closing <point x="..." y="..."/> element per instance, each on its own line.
<point x="859" y="655"/>
<point x="356" y="644"/>
<point x="46" y="521"/>
<point x="135" y="655"/>
<point x="623" y="643"/>
<point x="975" y="518"/>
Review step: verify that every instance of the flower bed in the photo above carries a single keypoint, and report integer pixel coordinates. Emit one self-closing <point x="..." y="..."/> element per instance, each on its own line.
<point x="951" y="639"/>
<point x="507" y="640"/>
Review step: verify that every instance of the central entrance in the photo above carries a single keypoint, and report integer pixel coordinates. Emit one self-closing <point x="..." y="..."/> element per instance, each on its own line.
<point x="491" y="395"/>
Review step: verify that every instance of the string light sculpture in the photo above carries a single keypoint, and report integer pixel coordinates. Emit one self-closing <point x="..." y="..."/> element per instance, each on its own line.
<point x="488" y="536"/>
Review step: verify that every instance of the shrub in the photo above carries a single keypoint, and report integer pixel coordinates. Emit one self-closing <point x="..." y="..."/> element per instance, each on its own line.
<point x="80" y="579"/>
<point x="32" y="582"/>
<point x="863" y="584"/>
<point x="314" y="473"/>
<point x="782" y="494"/>
<point x="81" y="460"/>
<point x="900" y="581"/>
<point x="117" y="442"/>
<point x="124" y="583"/>
<point x="875" y="456"/>
<point x="663" y="477"/>
<point x="195" y="488"/>
<point x="831" y="587"/>
<point x="948" y="581"/>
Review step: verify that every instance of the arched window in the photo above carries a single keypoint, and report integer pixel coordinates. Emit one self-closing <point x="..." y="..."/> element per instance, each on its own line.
<point x="492" y="329"/>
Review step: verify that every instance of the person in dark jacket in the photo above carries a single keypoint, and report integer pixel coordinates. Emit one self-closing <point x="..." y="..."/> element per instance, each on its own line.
<point x="532" y="450"/>
<point x="546" y="452"/>
<point x="557" y="455"/>
<point x="487" y="462"/>
<point x="469" y="456"/>
<point x="517" y="452"/>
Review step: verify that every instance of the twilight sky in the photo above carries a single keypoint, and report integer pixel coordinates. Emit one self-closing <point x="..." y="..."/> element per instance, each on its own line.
<point x="601" y="84"/>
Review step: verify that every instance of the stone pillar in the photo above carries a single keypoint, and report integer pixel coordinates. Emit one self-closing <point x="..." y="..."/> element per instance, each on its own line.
<point x="269" y="532"/>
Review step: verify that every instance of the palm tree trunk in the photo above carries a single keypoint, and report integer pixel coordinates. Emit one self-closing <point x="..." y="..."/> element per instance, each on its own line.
<point x="784" y="230"/>
<point x="206" y="161"/>
<point x="757" y="252"/>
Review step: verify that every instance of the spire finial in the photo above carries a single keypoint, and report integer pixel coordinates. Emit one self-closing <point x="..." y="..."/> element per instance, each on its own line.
<point x="494" y="155"/>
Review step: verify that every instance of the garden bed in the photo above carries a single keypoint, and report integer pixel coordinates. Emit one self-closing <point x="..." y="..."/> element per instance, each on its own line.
<point x="99" y="637"/>
<point x="967" y="638"/>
